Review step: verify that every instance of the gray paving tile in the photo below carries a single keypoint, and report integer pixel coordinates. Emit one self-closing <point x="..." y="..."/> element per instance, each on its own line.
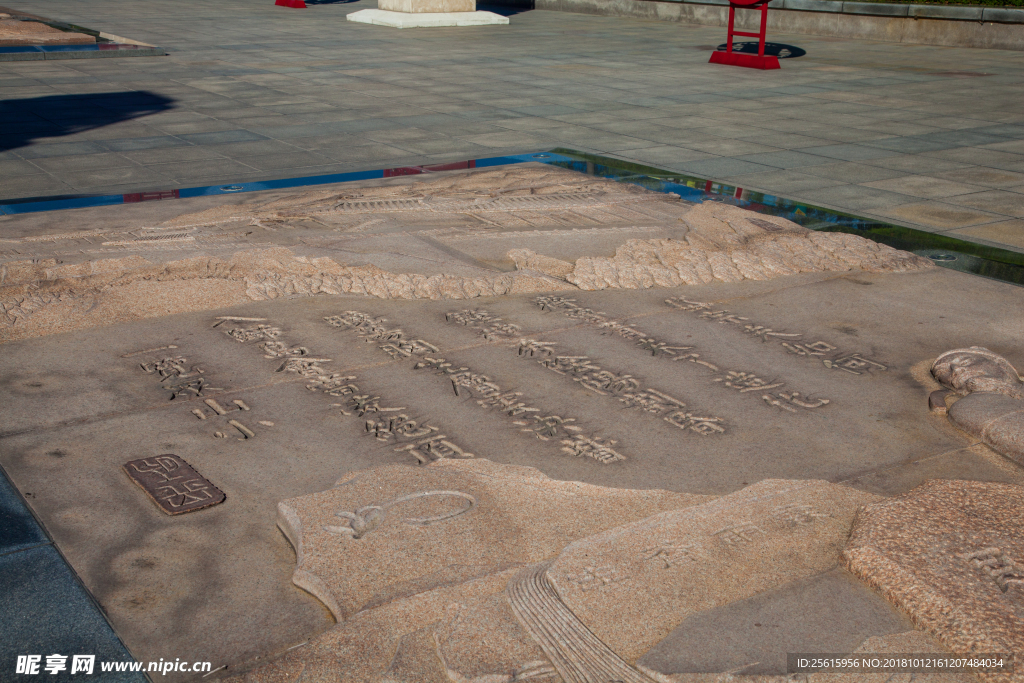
<point x="786" y="159"/>
<point x="271" y="162"/>
<point x="18" y="528"/>
<point x="856" y="197"/>
<point x="714" y="169"/>
<point x="785" y="183"/>
<point x="852" y="172"/>
<point x="44" y="610"/>
<point x="36" y="185"/>
<point x="923" y="186"/>
<point x="60" y="149"/>
<point x="367" y="153"/>
<point x="87" y="162"/>
<point x="994" y="201"/>
<point x="13" y="168"/>
<point x="221" y="137"/>
<point x="191" y="171"/>
<point x="849" y="152"/>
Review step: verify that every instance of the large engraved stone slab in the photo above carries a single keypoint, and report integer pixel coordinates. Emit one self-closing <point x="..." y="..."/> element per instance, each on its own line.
<point x="588" y="614"/>
<point x="455" y="519"/>
<point x="529" y="316"/>
<point x="950" y="553"/>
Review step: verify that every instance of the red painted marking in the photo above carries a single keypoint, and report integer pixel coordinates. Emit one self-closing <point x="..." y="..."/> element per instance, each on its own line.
<point x="297" y="4"/>
<point x="149" y="196"/>
<point x="416" y="170"/>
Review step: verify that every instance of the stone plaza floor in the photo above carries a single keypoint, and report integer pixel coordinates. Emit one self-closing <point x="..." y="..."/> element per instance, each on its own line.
<point x="926" y="137"/>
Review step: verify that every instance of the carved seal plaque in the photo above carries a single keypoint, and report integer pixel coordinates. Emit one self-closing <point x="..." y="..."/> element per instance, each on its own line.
<point x="173" y="484"/>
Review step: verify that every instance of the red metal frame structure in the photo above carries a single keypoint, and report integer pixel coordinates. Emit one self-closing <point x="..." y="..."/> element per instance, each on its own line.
<point x="761" y="61"/>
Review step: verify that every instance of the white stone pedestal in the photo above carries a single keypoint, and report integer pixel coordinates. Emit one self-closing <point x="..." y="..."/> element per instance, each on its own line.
<point x="416" y="13"/>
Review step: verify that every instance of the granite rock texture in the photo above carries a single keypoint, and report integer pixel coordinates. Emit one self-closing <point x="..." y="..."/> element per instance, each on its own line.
<point x="715" y="243"/>
<point x="951" y="554"/>
<point x="991" y="406"/>
<point x="483" y="579"/>
<point x="18" y="32"/>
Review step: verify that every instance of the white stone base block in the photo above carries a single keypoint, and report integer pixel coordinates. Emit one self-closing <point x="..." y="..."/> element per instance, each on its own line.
<point x="382" y="17"/>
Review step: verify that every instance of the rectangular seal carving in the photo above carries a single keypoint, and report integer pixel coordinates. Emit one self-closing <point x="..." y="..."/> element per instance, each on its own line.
<point x="173" y="484"/>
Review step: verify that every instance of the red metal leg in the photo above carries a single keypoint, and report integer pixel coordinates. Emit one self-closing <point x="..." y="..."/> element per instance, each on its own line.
<point x="764" y="29"/>
<point x="732" y="19"/>
<point x="761" y="61"/>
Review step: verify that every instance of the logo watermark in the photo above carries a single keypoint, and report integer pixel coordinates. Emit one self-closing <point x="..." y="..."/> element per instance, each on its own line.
<point x="41" y="665"/>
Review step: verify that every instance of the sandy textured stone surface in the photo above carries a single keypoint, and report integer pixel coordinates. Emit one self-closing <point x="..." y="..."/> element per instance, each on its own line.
<point x="584" y="616"/>
<point x="427" y="5"/>
<point x="951" y="554"/>
<point x="715" y="243"/>
<point x="420" y="528"/>
<point x="17" y="32"/>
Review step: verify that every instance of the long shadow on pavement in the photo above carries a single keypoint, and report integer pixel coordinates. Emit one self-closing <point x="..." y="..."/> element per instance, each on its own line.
<point x="25" y="120"/>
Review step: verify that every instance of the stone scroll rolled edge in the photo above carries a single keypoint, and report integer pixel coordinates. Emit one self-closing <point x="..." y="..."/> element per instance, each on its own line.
<point x="290" y="524"/>
<point x="577" y="654"/>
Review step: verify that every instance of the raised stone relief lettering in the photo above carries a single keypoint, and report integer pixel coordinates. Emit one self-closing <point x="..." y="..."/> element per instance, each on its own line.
<point x="990" y="398"/>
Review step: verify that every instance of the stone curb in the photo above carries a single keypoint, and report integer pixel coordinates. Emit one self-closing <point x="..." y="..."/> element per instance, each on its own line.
<point x="974" y="27"/>
<point x="1001" y="15"/>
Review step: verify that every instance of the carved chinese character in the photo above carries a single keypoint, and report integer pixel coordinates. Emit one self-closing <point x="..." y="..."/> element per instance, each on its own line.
<point x="672" y="555"/>
<point x="434" y="448"/>
<point x="854" y="363"/>
<point x="398" y="427"/>
<point x="687" y="305"/>
<point x="532" y="347"/>
<point x="818" y="348"/>
<point x="764" y="332"/>
<point x="254" y="333"/>
<point x="334" y="384"/>
<point x="604" y="381"/>
<point x="739" y="535"/>
<point x="549" y="303"/>
<point x="701" y="425"/>
<point x="651" y="401"/>
<point x="786" y="401"/>
<point x="695" y="358"/>
<point x="170" y="367"/>
<point x="277" y="349"/>
<point x="746" y="381"/>
<point x="598" y="449"/>
<point x="364" y="403"/>
<point x="657" y="347"/>
<point x="597" y="577"/>
<point x="574" y="365"/>
<point x="195" y="387"/>
<point x="795" y="514"/>
<point x="998" y="565"/>
<point x="304" y="367"/>
<point x="723" y="317"/>
<point x="550" y="426"/>
<point x="350" y="319"/>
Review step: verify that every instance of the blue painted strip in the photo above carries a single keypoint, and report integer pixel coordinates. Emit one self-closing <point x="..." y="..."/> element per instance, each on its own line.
<point x="239" y="188"/>
<point x="13" y="49"/>
<point x="90" y="47"/>
<point x="61" y="204"/>
<point x="279" y="184"/>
